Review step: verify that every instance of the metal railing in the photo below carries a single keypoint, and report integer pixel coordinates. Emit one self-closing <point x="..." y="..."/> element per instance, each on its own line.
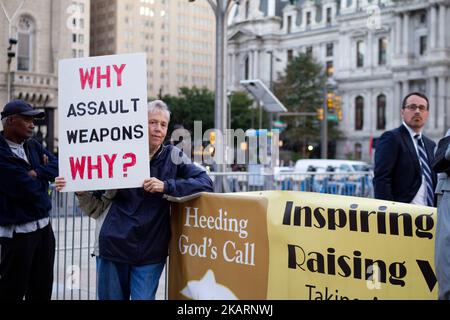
<point x="358" y="184"/>
<point x="75" y="268"/>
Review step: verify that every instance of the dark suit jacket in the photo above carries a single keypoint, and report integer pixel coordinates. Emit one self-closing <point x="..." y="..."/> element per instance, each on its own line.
<point x="397" y="173"/>
<point x="441" y="164"/>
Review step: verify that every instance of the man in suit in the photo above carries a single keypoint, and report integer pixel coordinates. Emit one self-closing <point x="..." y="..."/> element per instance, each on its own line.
<point x="404" y="155"/>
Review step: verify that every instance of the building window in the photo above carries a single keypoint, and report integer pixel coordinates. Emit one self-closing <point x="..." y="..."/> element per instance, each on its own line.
<point x="246" y="68"/>
<point x="290" y="55"/>
<point x="289" y="23"/>
<point x="24" y="45"/>
<point x="328" y="16"/>
<point x="330" y="69"/>
<point x="329" y="49"/>
<point x="309" y="51"/>
<point x="423" y="18"/>
<point x="423" y="45"/>
<point x="381" y="112"/>
<point x="360" y="49"/>
<point x="382" y="48"/>
<point x="247" y="9"/>
<point x="308" y="19"/>
<point x="359" y="113"/>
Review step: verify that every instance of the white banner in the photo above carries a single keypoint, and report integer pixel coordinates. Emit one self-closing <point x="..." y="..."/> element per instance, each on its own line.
<point x="102" y="113"/>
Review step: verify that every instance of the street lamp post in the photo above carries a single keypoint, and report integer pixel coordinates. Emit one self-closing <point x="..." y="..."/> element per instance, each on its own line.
<point x="221" y="9"/>
<point x="270" y="52"/>
<point x="324" y="127"/>
<point x="10" y="52"/>
<point x="272" y="57"/>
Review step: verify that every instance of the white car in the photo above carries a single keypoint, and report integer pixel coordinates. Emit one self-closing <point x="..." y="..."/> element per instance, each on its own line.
<point x="330" y="165"/>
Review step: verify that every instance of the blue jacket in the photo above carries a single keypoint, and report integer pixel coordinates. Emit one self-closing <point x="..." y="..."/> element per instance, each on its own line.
<point x="137" y="228"/>
<point x="22" y="198"/>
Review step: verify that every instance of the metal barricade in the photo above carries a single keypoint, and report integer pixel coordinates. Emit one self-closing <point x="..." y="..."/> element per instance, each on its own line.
<point x="74" y="276"/>
<point x="358" y="184"/>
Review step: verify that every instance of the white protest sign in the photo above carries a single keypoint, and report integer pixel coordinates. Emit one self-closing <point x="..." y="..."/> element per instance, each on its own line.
<point x="102" y="114"/>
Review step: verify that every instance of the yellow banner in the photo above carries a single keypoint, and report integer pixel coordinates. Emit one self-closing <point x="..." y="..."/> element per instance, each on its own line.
<point x="299" y="245"/>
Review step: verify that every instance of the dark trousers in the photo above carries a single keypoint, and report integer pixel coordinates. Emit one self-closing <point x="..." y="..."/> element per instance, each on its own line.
<point x="26" y="265"/>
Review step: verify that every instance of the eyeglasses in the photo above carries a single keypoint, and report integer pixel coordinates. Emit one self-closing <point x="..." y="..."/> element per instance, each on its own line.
<point x="413" y="107"/>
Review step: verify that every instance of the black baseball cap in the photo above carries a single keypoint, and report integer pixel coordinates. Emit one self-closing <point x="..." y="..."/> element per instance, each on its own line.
<point x="21" y="107"/>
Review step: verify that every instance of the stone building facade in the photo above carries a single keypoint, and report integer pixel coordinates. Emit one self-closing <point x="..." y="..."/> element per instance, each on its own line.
<point x="43" y="30"/>
<point x="377" y="51"/>
<point x="178" y="37"/>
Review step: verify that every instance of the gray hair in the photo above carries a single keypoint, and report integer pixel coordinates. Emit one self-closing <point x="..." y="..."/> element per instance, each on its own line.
<point x="158" y="105"/>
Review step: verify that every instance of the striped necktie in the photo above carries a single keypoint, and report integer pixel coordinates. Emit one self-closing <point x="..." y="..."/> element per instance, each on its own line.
<point x="426" y="171"/>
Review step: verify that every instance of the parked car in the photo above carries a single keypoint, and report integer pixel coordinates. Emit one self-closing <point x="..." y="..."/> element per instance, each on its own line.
<point x="330" y="165"/>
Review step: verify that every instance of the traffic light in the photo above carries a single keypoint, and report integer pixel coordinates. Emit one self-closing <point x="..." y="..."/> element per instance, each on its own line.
<point x="320" y="114"/>
<point x="330" y="101"/>
<point x="10" y="52"/>
<point x="212" y="137"/>
<point x="337" y="101"/>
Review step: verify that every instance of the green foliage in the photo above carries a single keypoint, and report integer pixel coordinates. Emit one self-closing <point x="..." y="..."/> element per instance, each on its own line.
<point x="192" y="104"/>
<point x="301" y="89"/>
<point x="197" y="104"/>
<point x="241" y="114"/>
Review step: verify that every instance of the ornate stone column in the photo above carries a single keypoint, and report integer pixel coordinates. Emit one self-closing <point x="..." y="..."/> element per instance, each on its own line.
<point x="398" y="35"/>
<point x="440" y="107"/>
<point x="442" y="34"/>
<point x="433" y="102"/>
<point x="433" y="29"/>
<point x="396" y="106"/>
<point x="255" y="64"/>
<point x="406" y="33"/>
<point x="233" y="69"/>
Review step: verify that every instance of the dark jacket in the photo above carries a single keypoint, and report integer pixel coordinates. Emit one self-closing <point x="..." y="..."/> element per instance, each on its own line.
<point x="22" y="198"/>
<point x="397" y="172"/>
<point x="441" y="163"/>
<point x="137" y="228"/>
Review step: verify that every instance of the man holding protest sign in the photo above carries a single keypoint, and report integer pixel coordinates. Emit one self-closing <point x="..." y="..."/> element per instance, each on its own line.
<point x="134" y="237"/>
<point x="27" y="243"/>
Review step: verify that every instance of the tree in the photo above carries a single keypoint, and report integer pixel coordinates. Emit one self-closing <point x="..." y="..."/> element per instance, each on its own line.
<point x="301" y="89"/>
<point x="192" y="104"/>
<point x="241" y="114"/>
<point x="195" y="104"/>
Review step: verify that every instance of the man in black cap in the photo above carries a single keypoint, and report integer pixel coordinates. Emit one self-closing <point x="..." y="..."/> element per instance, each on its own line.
<point x="27" y="243"/>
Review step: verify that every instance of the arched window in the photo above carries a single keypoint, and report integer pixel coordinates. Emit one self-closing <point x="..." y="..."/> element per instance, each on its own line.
<point x="359" y="113"/>
<point x="381" y="112"/>
<point x="25" y="43"/>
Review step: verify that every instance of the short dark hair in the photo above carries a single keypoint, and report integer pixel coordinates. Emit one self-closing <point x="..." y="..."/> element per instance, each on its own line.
<point x="415" y="94"/>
